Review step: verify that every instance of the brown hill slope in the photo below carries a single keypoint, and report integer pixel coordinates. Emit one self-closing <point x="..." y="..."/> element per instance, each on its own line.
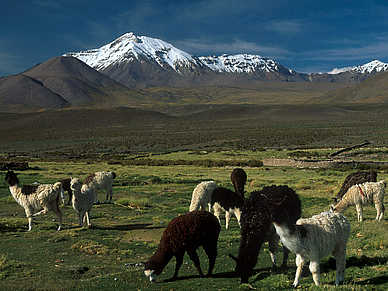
<point x="23" y="93"/>
<point x="79" y="84"/>
<point x="63" y="82"/>
<point x="373" y="90"/>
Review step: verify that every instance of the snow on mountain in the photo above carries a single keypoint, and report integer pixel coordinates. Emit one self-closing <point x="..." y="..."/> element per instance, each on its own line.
<point x="241" y="63"/>
<point x="375" y="65"/>
<point x="129" y="47"/>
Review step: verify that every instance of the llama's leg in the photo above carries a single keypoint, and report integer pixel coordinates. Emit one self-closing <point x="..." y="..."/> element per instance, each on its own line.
<point x="299" y="269"/>
<point x="380" y="210"/>
<point x="29" y="217"/>
<point x="87" y="217"/>
<point x="95" y="197"/>
<point x="210" y="207"/>
<point x="359" y="212"/>
<point x="63" y="196"/>
<point x="217" y="211"/>
<point x="70" y="196"/>
<point x="58" y="212"/>
<point x="227" y="218"/>
<point x="341" y="266"/>
<point x="237" y="213"/>
<point x="54" y="207"/>
<point x="110" y="194"/>
<point x="210" y="249"/>
<point x="80" y="219"/>
<point x="194" y="257"/>
<point x="286" y="252"/>
<point x="44" y="211"/>
<point x="314" y="269"/>
<point x="339" y="255"/>
<point x="179" y="261"/>
<point x="273" y="247"/>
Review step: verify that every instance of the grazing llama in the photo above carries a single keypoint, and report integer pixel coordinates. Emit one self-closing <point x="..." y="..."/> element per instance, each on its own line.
<point x="364" y="194"/>
<point x="186" y="233"/>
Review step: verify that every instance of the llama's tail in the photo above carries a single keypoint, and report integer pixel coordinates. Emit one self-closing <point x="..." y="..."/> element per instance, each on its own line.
<point x="384" y="183"/>
<point x="113" y="175"/>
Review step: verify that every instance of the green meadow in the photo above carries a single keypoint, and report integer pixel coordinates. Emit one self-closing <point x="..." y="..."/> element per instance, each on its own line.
<point x="151" y="190"/>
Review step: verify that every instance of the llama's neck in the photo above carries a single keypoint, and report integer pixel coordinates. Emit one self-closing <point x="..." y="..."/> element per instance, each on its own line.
<point x="15" y="192"/>
<point x="342" y="205"/>
<point x="291" y="239"/>
<point x="160" y="260"/>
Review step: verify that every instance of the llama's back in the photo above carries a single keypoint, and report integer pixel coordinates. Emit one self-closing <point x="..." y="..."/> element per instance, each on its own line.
<point x="202" y="194"/>
<point x="49" y="192"/>
<point x="329" y="227"/>
<point x="100" y="180"/>
<point x="192" y="229"/>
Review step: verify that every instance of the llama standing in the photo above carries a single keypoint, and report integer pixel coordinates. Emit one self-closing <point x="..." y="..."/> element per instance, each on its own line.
<point x="36" y="200"/>
<point x="315" y="238"/>
<point x="256" y="226"/>
<point x="364" y="194"/>
<point x="82" y="200"/>
<point x="101" y="180"/>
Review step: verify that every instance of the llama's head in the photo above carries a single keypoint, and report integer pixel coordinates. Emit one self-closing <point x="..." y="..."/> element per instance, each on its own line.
<point x="151" y="275"/>
<point x="11" y="178"/>
<point x="153" y="268"/>
<point x="75" y="184"/>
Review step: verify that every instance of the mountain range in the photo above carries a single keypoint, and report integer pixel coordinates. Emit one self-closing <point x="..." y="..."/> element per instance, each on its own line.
<point x="144" y="72"/>
<point x="139" y="61"/>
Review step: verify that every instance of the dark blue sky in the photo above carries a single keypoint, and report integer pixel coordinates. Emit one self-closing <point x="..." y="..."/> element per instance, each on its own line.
<point x="303" y="35"/>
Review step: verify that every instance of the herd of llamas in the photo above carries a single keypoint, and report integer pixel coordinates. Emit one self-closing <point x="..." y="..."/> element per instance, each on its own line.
<point x="272" y="214"/>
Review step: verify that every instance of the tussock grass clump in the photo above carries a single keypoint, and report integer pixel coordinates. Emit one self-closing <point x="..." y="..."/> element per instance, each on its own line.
<point x="134" y="202"/>
<point x="90" y="247"/>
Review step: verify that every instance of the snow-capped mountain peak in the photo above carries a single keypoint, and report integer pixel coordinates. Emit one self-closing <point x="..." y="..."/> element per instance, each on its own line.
<point x="374" y="65"/>
<point x="129" y="46"/>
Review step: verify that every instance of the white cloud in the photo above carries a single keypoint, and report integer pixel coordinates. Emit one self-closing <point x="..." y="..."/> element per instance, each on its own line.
<point x="285" y="27"/>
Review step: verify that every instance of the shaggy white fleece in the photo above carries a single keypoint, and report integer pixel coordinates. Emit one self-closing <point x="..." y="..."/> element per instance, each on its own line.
<point x="202" y="195"/>
<point x="315" y="238"/>
<point x="364" y="194"/>
<point x="82" y="200"/>
<point x="99" y="181"/>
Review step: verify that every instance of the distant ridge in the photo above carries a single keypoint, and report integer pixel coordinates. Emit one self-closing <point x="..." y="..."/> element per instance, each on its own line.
<point x="141" y="61"/>
<point x="373" y="90"/>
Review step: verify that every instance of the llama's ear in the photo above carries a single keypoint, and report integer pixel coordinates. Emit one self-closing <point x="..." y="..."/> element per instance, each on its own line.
<point x="332" y="207"/>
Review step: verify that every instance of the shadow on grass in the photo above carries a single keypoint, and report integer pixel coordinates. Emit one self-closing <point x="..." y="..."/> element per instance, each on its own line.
<point x="221" y="275"/>
<point x="126" y="226"/>
<point x="358" y="262"/>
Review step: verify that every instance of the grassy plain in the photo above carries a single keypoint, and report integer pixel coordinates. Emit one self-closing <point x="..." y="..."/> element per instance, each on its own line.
<point x="108" y="255"/>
